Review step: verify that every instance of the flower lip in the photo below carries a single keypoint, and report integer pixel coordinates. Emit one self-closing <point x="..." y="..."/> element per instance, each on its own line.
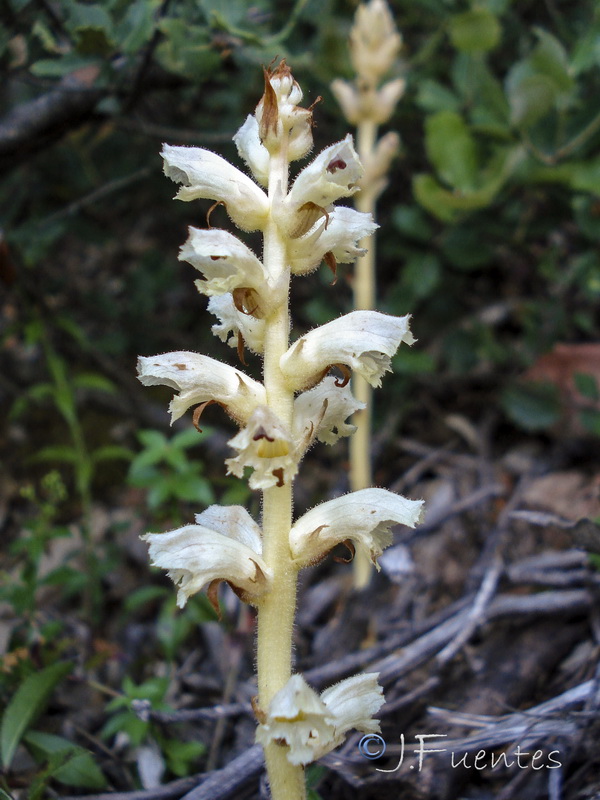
<point x="198" y="379"/>
<point x="321" y="412"/>
<point x="225" y="262"/>
<point x="362" y="340"/>
<point x="204" y="174"/>
<point x="195" y="555"/>
<point x="338" y="233"/>
<point x="334" y="173"/>
<point x="364" y="517"/>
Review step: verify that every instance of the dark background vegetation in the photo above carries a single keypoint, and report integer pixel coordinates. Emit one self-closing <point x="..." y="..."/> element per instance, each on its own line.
<point x="489" y="237"/>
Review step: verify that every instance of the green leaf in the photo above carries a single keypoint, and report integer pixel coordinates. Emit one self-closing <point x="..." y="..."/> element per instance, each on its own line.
<point x="586" y="53"/>
<point x="28" y="702"/>
<point x="530" y="98"/>
<point x="58" y="452"/>
<point x="445" y="205"/>
<point x="532" y="406"/>
<point x="144" y="595"/>
<point x="540" y="82"/>
<point x="189" y="437"/>
<point x="587" y="385"/>
<point x="475" y="31"/>
<point x="187" y="49"/>
<point x="451" y="148"/>
<point x="78" y="769"/>
<point x="137" y="26"/>
<point x="92" y="27"/>
<point x="92" y="380"/>
<point x="111" y="452"/>
<point x="433" y="96"/>
<point x="550" y="58"/>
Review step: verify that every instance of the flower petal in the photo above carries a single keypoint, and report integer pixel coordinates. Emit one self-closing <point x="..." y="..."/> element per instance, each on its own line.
<point x="232" y="521"/>
<point x="237" y="323"/>
<point x="207" y="175"/>
<point x="299" y="718"/>
<point x="266" y="446"/>
<point x="321" y="413"/>
<point x="196" y="555"/>
<point x="349" y="99"/>
<point x="365" y="517"/>
<point x="334" y="173"/>
<point x="352" y="703"/>
<point x="199" y="378"/>
<point x="339" y="234"/>
<point x="225" y="262"/>
<point x="362" y="340"/>
<point x="252" y="150"/>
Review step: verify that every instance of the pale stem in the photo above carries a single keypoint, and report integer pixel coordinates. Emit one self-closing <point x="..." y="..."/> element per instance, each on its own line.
<point x="277" y="608"/>
<point x="364" y="298"/>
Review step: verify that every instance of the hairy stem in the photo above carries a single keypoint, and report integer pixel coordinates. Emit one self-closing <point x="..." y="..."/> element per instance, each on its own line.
<point x="277" y="608"/>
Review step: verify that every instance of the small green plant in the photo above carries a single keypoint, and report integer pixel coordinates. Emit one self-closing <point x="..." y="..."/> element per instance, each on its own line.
<point x="19" y="586"/>
<point x="164" y="469"/>
<point x="132" y="719"/>
<point x="57" y="758"/>
<point x="61" y="391"/>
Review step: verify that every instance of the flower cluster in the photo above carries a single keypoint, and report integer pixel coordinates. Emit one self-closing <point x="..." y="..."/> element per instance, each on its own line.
<point x="311" y="725"/>
<point x="299" y="401"/>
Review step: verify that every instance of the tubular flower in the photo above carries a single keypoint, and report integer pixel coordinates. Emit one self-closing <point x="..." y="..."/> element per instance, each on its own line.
<point x="321" y="413"/>
<point x="362" y="340"/>
<point x="197" y="554"/>
<point x="311" y="725"/>
<point x="364" y="517"/>
<point x="252" y="150"/>
<point x="200" y="379"/>
<point x="266" y="446"/>
<point x="224" y="261"/>
<point x="244" y="328"/>
<point x="339" y="234"/>
<point x="207" y="175"/>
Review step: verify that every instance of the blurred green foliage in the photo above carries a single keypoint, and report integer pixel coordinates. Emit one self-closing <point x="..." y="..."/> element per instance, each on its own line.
<point x="490" y="226"/>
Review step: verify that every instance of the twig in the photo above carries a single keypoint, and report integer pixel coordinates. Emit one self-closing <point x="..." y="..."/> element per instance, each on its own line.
<point x="227" y="782"/>
<point x="97" y="194"/>
<point x="505" y="606"/>
<point x="222" y="711"/>
<point x="464" y="504"/>
<point x="476" y="615"/>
